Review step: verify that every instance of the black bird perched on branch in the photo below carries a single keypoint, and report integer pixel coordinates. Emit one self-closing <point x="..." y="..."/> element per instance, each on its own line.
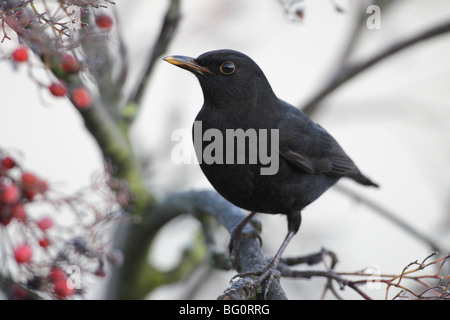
<point x="237" y="96"/>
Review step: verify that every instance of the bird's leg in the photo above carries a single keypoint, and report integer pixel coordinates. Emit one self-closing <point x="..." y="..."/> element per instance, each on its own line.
<point x="236" y="235"/>
<point x="271" y="269"/>
<point x="294" y="221"/>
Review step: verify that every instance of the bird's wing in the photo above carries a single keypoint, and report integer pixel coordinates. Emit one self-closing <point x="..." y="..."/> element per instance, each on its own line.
<point x="308" y="146"/>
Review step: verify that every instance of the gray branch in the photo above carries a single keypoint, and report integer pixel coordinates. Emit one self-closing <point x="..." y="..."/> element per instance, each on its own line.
<point x="350" y="70"/>
<point x="135" y="240"/>
<point x="392" y="217"/>
<point x="166" y="34"/>
<point x="249" y="256"/>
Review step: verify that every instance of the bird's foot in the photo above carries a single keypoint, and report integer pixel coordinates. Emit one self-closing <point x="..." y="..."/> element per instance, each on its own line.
<point x="268" y="275"/>
<point x="265" y="277"/>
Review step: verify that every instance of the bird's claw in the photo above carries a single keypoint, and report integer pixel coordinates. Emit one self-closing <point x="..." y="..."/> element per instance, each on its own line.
<point x="266" y="275"/>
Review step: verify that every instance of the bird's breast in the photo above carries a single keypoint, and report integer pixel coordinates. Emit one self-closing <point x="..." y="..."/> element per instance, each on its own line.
<point x="236" y="160"/>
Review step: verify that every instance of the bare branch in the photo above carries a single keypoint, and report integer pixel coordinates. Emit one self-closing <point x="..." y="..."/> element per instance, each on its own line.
<point x="433" y="284"/>
<point x="390" y="216"/>
<point x="135" y="240"/>
<point x="169" y="26"/>
<point x="349" y="71"/>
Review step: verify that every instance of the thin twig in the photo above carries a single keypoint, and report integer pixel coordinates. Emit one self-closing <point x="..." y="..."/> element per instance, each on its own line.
<point x="440" y="290"/>
<point x="168" y="28"/>
<point x="390" y="216"/>
<point x="347" y="72"/>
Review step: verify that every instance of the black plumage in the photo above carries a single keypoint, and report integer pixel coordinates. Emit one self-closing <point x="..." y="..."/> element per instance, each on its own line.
<point x="237" y="95"/>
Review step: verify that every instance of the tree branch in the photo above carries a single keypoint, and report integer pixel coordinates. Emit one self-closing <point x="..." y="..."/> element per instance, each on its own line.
<point x="135" y="240"/>
<point x="390" y="216"/>
<point x="349" y="71"/>
<point x="166" y="34"/>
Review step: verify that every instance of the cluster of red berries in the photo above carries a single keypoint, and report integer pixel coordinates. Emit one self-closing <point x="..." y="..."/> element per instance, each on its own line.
<point x="81" y="96"/>
<point x="15" y="193"/>
<point x="38" y="248"/>
<point x="18" y="189"/>
<point x="15" y="196"/>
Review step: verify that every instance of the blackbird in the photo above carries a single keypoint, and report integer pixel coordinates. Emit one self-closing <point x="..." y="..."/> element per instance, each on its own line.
<point x="237" y="95"/>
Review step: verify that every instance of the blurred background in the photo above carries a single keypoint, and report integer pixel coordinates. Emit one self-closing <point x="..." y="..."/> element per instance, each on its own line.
<point x="393" y="120"/>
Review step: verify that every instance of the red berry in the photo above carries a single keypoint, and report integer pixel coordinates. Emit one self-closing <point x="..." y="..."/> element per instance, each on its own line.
<point x="28" y="182"/>
<point x="45" y="223"/>
<point x="300" y="13"/>
<point x="60" y="284"/>
<point x="81" y="97"/>
<point x="104" y="21"/>
<point x="57" y="89"/>
<point x="8" y="162"/>
<point x="5" y="215"/>
<point x="70" y="64"/>
<point x="29" y="179"/>
<point x="32" y="185"/>
<point x="62" y="290"/>
<point x="44" y="242"/>
<point x="5" y="220"/>
<point x="20" y="54"/>
<point x="9" y="193"/>
<point x="19" y="292"/>
<point x="23" y="253"/>
<point x="100" y="273"/>
<point x="29" y="194"/>
<point x="57" y="274"/>
<point x="18" y="212"/>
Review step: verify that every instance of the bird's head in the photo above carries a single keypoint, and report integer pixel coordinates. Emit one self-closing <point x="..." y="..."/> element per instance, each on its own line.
<point x="226" y="76"/>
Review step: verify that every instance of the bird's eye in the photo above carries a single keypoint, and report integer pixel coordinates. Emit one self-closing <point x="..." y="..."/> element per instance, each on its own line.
<point x="227" y="68"/>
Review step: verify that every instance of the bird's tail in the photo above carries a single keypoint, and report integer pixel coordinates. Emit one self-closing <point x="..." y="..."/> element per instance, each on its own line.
<point x="360" y="178"/>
